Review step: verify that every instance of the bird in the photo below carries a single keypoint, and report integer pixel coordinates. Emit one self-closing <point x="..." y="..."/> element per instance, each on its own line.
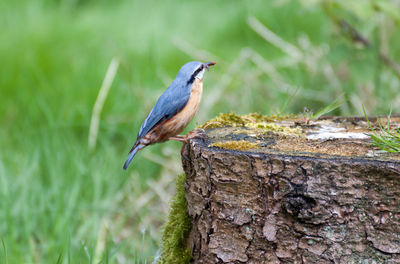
<point x="174" y="109"/>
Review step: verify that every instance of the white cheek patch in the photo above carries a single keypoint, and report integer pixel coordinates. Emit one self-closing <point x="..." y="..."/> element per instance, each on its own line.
<point x="200" y="74"/>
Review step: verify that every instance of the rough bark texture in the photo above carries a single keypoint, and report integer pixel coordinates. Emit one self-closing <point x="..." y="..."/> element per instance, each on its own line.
<point x="271" y="207"/>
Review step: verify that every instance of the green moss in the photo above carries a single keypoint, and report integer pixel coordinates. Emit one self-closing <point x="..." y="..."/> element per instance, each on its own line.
<point x="176" y="230"/>
<point x="257" y="117"/>
<point x="234" y="120"/>
<point x="256" y="121"/>
<point x="223" y="120"/>
<point x="272" y="127"/>
<point x="235" y="145"/>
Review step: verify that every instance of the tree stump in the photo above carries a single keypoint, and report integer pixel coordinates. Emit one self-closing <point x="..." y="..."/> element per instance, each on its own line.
<point x="326" y="197"/>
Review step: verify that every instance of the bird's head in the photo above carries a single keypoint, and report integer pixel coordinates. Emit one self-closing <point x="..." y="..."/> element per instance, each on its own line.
<point x="193" y="70"/>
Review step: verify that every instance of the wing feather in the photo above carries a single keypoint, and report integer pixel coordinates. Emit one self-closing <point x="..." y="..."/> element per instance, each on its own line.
<point x="173" y="100"/>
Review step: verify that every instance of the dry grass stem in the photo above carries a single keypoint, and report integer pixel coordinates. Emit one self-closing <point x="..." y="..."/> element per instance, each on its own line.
<point x="101" y="98"/>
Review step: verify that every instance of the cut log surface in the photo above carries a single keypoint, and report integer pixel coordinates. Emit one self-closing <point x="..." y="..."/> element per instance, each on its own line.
<point x="326" y="197"/>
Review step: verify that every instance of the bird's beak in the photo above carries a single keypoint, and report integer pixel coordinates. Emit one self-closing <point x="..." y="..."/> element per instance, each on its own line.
<point x="208" y="64"/>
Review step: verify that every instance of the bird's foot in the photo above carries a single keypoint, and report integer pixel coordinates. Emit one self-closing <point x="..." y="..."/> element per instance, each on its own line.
<point x="191" y="135"/>
<point x="195" y="133"/>
<point x="185" y="138"/>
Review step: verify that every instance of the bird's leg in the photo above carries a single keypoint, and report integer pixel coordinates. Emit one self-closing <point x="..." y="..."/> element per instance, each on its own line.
<point x="180" y="138"/>
<point x="192" y="134"/>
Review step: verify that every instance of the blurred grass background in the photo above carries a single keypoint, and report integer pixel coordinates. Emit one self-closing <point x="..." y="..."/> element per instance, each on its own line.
<point x="60" y="202"/>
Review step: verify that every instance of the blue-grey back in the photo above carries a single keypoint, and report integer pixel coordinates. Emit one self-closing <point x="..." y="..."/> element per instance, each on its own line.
<point x="172" y="101"/>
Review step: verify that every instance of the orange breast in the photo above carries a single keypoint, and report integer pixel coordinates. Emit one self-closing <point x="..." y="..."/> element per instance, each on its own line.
<point x="178" y="123"/>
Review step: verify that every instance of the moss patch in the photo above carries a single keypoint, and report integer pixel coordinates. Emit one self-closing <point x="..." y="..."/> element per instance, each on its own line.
<point x="223" y="120"/>
<point x="272" y="127"/>
<point x="176" y="230"/>
<point x="257" y="122"/>
<point x="234" y="120"/>
<point x="235" y="145"/>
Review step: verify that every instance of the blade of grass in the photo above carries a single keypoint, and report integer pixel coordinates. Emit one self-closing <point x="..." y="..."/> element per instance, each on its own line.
<point x="5" y="251"/>
<point x="387" y="140"/>
<point x="59" y="260"/>
<point x="327" y="109"/>
<point x="98" y="106"/>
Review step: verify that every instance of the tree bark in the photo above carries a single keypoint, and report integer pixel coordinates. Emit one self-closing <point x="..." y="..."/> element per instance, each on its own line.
<point x="270" y="205"/>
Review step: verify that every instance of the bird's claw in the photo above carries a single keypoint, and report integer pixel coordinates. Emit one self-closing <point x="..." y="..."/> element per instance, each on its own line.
<point x="195" y="133"/>
<point x="191" y="135"/>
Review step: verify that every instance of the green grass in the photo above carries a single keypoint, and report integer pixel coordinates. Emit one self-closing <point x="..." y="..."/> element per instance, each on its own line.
<point x="386" y="138"/>
<point x="309" y="115"/>
<point x="61" y="202"/>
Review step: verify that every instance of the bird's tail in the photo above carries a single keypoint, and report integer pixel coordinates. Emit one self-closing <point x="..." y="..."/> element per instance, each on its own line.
<point x="132" y="154"/>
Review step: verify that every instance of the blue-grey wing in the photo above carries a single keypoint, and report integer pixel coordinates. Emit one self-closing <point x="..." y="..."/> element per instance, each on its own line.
<point x="172" y="101"/>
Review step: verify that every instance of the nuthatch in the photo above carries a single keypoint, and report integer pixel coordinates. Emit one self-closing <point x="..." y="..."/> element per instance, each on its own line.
<point x="174" y="109"/>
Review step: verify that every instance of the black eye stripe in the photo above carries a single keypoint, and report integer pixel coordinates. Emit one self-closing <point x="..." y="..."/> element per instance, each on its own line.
<point x="197" y="71"/>
<point x="195" y="74"/>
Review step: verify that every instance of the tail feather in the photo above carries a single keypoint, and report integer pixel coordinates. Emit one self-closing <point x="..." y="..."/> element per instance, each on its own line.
<point x="132" y="154"/>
